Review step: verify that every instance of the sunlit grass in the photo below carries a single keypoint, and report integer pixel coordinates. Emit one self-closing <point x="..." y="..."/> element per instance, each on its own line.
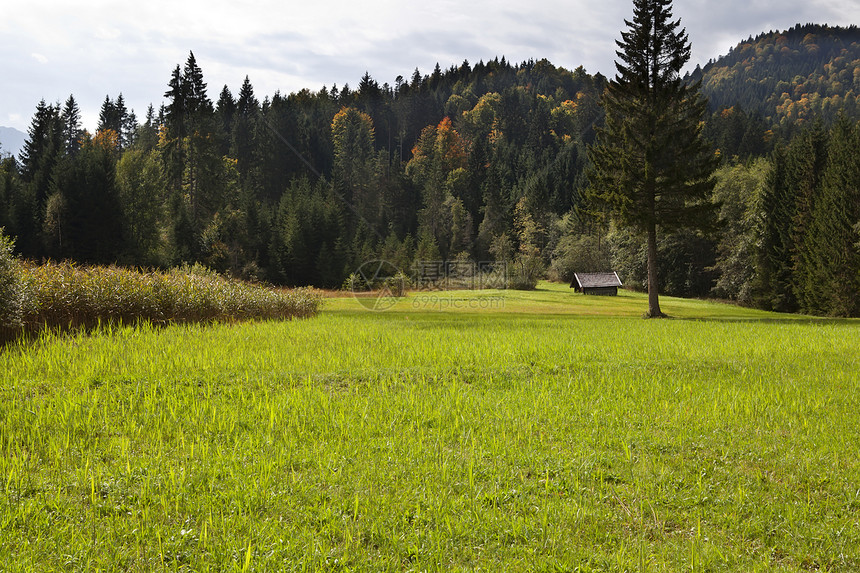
<point x="419" y="439"/>
<point x="548" y="299"/>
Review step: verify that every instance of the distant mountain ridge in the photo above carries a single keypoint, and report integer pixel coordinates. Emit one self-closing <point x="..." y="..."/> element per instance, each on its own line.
<point x="807" y="71"/>
<point x="11" y="141"/>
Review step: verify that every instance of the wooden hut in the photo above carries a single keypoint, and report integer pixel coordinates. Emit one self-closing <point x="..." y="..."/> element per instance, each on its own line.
<point x="605" y="284"/>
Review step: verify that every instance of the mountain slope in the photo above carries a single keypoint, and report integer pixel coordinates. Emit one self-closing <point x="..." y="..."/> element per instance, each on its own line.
<point x="11" y="140"/>
<point x="805" y="72"/>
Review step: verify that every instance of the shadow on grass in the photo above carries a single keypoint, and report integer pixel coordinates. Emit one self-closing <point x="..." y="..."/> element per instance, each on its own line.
<point x="792" y="319"/>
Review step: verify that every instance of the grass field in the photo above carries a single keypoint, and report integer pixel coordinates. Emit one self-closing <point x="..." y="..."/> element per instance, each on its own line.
<point x="473" y="431"/>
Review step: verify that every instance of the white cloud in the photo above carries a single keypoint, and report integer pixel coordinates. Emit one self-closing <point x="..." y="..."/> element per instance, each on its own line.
<point x="108" y="33"/>
<point x="102" y="47"/>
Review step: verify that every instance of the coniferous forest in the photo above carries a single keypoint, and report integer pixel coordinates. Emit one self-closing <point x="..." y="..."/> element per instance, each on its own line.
<point x="483" y="162"/>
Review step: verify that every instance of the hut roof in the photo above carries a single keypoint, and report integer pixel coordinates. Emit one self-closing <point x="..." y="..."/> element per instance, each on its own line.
<point x="595" y="280"/>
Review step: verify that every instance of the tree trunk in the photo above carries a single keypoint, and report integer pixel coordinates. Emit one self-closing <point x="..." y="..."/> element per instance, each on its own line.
<point x="653" y="297"/>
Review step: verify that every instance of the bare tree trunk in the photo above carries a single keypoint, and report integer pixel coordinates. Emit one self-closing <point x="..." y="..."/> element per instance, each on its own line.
<point x="653" y="297"/>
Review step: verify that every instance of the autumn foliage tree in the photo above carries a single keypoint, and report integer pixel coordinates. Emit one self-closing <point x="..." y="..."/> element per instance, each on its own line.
<point x="438" y="168"/>
<point x="353" y="139"/>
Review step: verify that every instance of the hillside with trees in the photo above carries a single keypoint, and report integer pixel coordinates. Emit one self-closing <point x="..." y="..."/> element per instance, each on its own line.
<point x="788" y="78"/>
<point x="480" y="162"/>
<point x="300" y="189"/>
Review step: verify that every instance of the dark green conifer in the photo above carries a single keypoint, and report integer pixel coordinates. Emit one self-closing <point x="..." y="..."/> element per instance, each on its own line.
<point x="71" y="119"/>
<point x="244" y="130"/>
<point x="832" y="284"/>
<point x="650" y="163"/>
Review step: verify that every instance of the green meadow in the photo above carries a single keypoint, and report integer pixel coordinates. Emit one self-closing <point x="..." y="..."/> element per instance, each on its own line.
<point x="455" y="431"/>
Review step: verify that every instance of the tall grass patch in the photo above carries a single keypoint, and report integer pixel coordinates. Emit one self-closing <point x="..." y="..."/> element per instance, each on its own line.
<point x="67" y="296"/>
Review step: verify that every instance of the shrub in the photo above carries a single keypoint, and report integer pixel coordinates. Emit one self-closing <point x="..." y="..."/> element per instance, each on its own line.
<point x="354" y="283"/>
<point x="525" y="272"/>
<point x="10" y="286"/>
<point x="397" y="284"/>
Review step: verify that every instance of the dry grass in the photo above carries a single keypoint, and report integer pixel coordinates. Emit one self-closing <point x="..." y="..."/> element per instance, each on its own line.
<point x="66" y="296"/>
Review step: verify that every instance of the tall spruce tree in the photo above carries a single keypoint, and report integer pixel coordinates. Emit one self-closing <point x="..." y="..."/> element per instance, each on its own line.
<point x="225" y="109"/>
<point x="833" y="242"/>
<point x="175" y="129"/>
<point x="72" y="132"/>
<point x="775" y="249"/>
<point x="42" y="151"/>
<point x="147" y="137"/>
<point x="189" y="151"/>
<point x="44" y="143"/>
<point x="650" y="164"/>
<point x="807" y="159"/>
<point x="246" y="114"/>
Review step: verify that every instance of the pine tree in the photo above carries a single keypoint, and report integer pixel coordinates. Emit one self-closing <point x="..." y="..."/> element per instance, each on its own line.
<point x="175" y="129"/>
<point x="85" y="204"/>
<point x="43" y="151"/>
<point x="806" y="161"/>
<point x="649" y="162"/>
<point x="130" y="130"/>
<point x="9" y="191"/>
<point x="107" y="116"/>
<point x="147" y="136"/>
<point x="124" y="123"/>
<point x="198" y="104"/>
<point x="353" y="174"/>
<point x="225" y="109"/>
<point x="202" y="173"/>
<point x="43" y="143"/>
<point x="832" y="245"/>
<point x="193" y="168"/>
<point x="174" y="112"/>
<point x="244" y="125"/>
<point x="71" y="119"/>
<point x="774" y="264"/>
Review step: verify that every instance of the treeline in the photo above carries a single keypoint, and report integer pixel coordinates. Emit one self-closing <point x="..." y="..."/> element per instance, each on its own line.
<point x="480" y="163"/>
<point x="301" y="189"/>
<point x="809" y="257"/>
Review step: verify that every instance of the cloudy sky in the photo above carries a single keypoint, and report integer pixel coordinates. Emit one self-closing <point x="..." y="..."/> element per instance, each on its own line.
<point x="50" y="49"/>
